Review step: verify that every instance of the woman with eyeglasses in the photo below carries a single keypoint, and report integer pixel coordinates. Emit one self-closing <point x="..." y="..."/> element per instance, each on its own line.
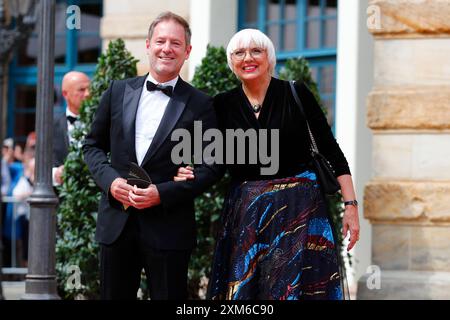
<point x="276" y="241"/>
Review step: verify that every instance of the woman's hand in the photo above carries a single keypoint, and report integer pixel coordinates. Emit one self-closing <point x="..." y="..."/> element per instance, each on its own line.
<point x="350" y="222"/>
<point x="184" y="174"/>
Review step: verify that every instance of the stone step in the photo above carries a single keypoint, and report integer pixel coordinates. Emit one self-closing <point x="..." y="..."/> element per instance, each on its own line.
<point x="13" y="290"/>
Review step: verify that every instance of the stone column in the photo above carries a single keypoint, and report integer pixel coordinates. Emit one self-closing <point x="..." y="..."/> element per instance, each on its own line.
<point x="212" y="22"/>
<point x="408" y="199"/>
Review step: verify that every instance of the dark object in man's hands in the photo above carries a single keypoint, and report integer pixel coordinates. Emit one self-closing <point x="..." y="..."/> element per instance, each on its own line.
<point x="138" y="177"/>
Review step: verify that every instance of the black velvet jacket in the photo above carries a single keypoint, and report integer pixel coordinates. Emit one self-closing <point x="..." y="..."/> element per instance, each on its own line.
<point x="279" y="111"/>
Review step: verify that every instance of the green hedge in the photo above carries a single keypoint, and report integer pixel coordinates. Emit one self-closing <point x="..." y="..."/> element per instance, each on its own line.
<point x="212" y="76"/>
<point x="79" y="195"/>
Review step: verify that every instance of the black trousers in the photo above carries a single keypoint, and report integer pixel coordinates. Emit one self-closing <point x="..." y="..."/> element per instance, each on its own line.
<point x="121" y="264"/>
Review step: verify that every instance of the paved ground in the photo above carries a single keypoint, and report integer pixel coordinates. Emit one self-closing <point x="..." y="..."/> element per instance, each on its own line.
<point x="13" y="290"/>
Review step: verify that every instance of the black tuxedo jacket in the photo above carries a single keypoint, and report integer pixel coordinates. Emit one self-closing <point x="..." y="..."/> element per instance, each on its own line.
<point x="170" y="225"/>
<point x="60" y="140"/>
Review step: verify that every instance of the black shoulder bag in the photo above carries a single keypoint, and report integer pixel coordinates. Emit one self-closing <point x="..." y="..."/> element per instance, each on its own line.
<point x="323" y="169"/>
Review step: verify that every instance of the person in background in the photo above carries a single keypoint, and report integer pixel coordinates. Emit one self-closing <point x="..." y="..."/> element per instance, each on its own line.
<point x="75" y="89"/>
<point x="18" y="152"/>
<point x="5" y="184"/>
<point x="21" y="192"/>
<point x="22" y="173"/>
<point x="6" y="176"/>
<point x="15" y="169"/>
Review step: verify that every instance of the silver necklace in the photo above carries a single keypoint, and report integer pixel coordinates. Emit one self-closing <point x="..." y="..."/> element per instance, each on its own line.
<point x="256" y="107"/>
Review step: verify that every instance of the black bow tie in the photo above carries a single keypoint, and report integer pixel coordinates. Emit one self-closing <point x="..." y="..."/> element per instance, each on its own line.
<point x="167" y="90"/>
<point x="72" y="119"/>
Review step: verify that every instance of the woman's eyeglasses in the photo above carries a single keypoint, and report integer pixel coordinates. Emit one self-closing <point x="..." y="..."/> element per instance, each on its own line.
<point x="239" y="54"/>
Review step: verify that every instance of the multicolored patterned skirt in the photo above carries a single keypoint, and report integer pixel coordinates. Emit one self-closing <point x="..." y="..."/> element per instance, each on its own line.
<point x="276" y="243"/>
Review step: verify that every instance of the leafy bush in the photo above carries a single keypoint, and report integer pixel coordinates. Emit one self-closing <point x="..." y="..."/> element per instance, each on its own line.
<point x="212" y="76"/>
<point x="79" y="195"/>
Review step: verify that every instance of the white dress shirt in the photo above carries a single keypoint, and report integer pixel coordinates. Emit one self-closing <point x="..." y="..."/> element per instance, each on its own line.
<point x="70" y="126"/>
<point x="151" y="108"/>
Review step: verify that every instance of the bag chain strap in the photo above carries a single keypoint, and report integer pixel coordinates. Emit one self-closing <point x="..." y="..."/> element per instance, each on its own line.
<point x="299" y="103"/>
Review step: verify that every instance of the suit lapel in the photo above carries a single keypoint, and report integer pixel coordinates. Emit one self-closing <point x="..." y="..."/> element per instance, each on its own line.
<point x="132" y="95"/>
<point x="173" y="111"/>
<point x="64" y="128"/>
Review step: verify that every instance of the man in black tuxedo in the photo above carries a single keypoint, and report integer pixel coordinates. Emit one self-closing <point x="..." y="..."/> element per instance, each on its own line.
<point x="75" y="89"/>
<point x="134" y="122"/>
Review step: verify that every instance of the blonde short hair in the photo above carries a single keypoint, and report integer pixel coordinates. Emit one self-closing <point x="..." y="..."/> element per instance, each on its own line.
<point x="167" y="16"/>
<point x="246" y="37"/>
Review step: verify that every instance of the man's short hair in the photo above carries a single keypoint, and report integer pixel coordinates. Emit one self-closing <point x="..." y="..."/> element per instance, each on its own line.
<point x="167" y="16"/>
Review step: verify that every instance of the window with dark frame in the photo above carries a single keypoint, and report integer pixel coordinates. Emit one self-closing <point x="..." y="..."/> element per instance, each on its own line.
<point x="297" y="28"/>
<point x="74" y="50"/>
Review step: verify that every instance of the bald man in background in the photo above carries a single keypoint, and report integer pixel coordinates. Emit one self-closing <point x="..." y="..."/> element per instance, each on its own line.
<point x="75" y="89"/>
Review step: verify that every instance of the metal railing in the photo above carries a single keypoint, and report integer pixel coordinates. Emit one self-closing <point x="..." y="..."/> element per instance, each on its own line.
<point x="14" y="268"/>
